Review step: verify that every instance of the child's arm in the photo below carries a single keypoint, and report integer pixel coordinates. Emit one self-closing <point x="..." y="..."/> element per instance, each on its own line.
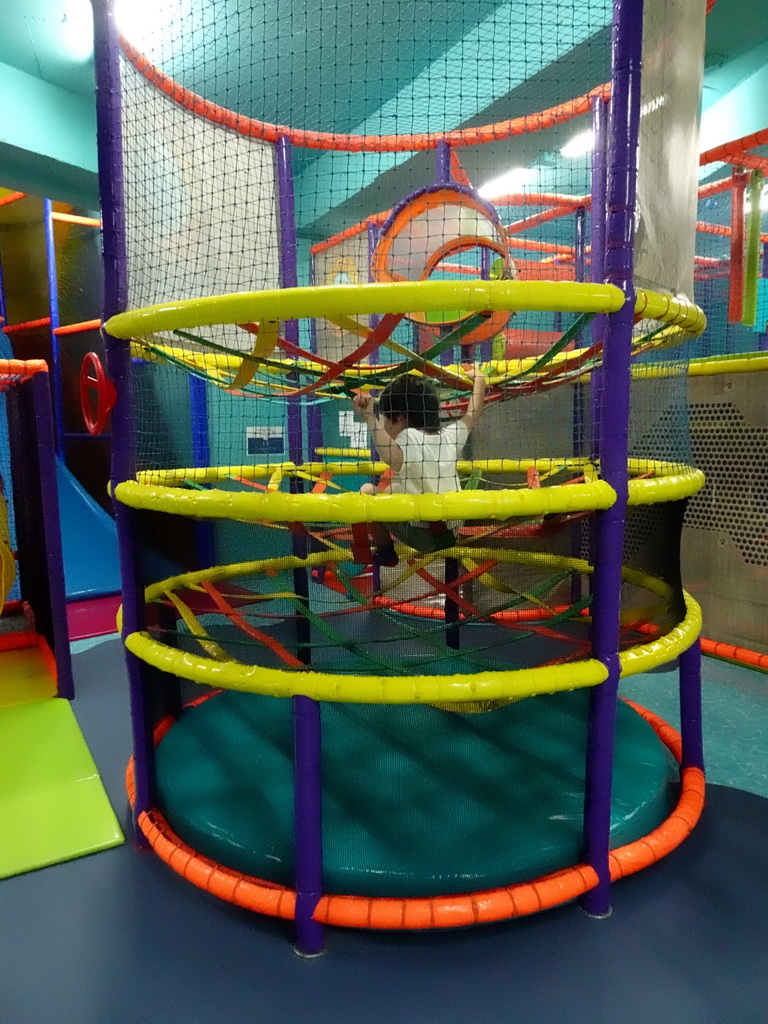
<point x="477" y="401"/>
<point x="389" y="450"/>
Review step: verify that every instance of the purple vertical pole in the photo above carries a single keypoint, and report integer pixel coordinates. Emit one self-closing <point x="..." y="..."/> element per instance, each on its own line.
<point x="485" y="264"/>
<point x="578" y="395"/>
<point x="314" y="415"/>
<point x="690" y="707"/>
<point x="289" y="278"/>
<point x="598" y="200"/>
<point x="109" y="143"/>
<point x="53" y="307"/>
<point x="597" y="242"/>
<point x="580" y="244"/>
<point x="443" y="174"/>
<point x="451" y="609"/>
<point x="373" y="320"/>
<point x="49" y="498"/>
<point x="486" y="347"/>
<point x="452" y="638"/>
<point x="201" y="458"/>
<point x="373" y="241"/>
<point x="313" y="322"/>
<point x="763" y="342"/>
<point x="613" y="427"/>
<point x="307" y="785"/>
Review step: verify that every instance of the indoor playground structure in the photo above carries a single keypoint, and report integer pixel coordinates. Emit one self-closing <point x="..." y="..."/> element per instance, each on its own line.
<point x="334" y="724"/>
<point x="52" y="801"/>
<point x="50" y="293"/>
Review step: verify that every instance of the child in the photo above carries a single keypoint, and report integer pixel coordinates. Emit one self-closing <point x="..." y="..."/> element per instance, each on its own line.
<point x="421" y="452"/>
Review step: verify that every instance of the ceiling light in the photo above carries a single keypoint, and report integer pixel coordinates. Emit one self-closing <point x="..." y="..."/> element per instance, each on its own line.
<point x="507" y="184"/>
<point x="76" y="30"/>
<point x="143" y="22"/>
<point x="579" y="145"/>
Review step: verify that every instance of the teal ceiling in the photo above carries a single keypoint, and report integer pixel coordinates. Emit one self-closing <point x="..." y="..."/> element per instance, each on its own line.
<point x="51" y="40"/>
<point x="450" y="62"/>
<point x="737" y="45"/>
<point x="377" y="68"/>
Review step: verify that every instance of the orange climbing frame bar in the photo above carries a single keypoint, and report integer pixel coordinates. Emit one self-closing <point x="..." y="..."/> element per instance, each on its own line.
<point x="563" y="202"/>
<point x="75" y="218"/>
<point x="712" y="188"/>
<point x="541" y="199"/>
<point x="539" y="218"/>
<point x="22" y="367"/>
<point x="415" y="913"/>
<point x="752" y="162"/>
<point x="27" y="325"/>
<point x="731" y="653"/>
<point x="86" y="325"/>
<point x="350" y="232"/>
<point x="735" y="152"/>
<point x="12" y="197"/>
<point x="534" y="245"/>
<point x="17" y="371"/>
<point x="339" y="141"/>
<point x="720" y="229"/>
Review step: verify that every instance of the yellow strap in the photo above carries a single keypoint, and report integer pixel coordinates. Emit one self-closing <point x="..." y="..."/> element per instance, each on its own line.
<point x="490" y="581"/>
<point x="276" y="479"/>
<point x="266" y="340"/>
<point x="447" y="373"/>
<point x="348" y="323"/>
<point x="195" y="627"/>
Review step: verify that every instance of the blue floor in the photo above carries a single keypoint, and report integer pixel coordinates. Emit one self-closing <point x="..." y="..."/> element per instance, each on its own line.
<point x="118" y="939"/>
<point x="735" y="714"/>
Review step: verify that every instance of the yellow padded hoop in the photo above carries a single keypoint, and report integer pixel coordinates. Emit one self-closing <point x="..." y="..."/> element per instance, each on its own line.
<point x="516" y="684"/>
<point x="365" y="300"/>
<point x="160" y="491"/>
<point x="347" y="508"/>
<point x="429" y="296"/>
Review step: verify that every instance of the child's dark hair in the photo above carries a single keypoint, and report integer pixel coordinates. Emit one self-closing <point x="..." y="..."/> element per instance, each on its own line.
<point x="414" y="398"/>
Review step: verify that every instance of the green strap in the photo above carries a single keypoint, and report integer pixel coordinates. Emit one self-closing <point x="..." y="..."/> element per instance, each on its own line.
<point x="752" y="261"/>
<point x="576" y="328"/>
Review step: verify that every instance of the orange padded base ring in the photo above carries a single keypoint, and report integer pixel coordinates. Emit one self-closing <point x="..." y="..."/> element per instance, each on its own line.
<point x="415" y="913"/>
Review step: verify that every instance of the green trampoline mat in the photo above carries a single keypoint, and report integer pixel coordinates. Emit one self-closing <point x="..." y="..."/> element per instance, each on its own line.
<point x="416" y="801"/>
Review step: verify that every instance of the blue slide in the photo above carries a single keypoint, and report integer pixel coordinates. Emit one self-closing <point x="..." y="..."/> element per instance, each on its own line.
<point x="89" y="539"/>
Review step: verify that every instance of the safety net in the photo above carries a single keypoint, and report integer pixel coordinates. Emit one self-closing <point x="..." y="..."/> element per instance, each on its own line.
<point x="366" y="304"/>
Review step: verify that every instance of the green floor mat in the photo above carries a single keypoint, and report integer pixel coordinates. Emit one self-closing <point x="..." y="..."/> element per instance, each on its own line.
<point x="52" y="803"/>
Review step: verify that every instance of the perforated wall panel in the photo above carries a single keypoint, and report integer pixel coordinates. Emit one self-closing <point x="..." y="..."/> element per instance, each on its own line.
<point x="725" y="540"/>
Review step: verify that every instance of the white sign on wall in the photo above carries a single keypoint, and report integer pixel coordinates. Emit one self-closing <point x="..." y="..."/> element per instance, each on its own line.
<point x="353" y="429"/>
<point x="264" y="440"/>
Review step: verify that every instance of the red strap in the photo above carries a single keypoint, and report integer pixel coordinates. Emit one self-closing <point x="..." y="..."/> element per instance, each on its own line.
<point x="256" y="634"/>
<point x="361" y="545"/>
